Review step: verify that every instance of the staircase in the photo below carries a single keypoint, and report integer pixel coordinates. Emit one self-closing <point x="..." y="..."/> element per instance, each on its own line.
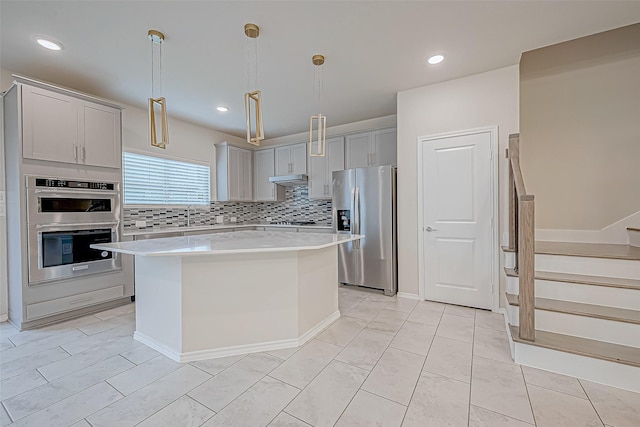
<point x="587" y="317"/>
<point x="571" y="308"/>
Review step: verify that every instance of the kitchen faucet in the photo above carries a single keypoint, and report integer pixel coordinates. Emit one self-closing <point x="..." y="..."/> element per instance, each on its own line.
<point x="189" y="214"/>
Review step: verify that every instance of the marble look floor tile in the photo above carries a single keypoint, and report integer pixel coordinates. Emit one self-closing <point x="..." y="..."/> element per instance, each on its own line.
<point x="402" y="304"/>
<point x="32" y="335"/>
<point x="81" y="423"/>
<point x="222" y="389"/>
<point x="366" y="310"/>
<point x="458" y="310"/>
<point x="616" y="407"/>
<point x="367" y="409"/>
<point x="375" y="295"/>
<point x="303" y="366"/>
<point x="491" y="344"/>
<point x="40" y="345"/>
<point x="7" y="329"/>
<point x="388" y="321"/>
<point x="116" y="312"/>
<point x="489" y="320"/>
<point x="98" y="340"/>
<point x="143" y="374"/>
<point x="450" y="358"/>
<point x="48" y="394"/>
<point x="456" y="327"/>
<point x="500" y="387"/>
<point x="553" y="381"/>
<point x="438" y="401"/>
<point x="252" y="409"/>
<point x="322" y="402"/>
<point x="20" y="383"/>
<point x="342" y="330"/>
<point x="215" y="366"/>
<point x="82" y="360"/>
<point x="140" y="354"/>
<point x="105" y="325"/>
<point x="5" y="344"/>
<point x="414" y="337"/>
<point x="4" y="417"/>
<point x="395" y="375"/>
<point x="365" y="349"/>
<point x="427" y="312"/>
<point x="184" y="412"/>
<point x="551" y="409"/>
<point x="31" y="362"/>
<point x="285" y="353"/>
<point x="136" y="407"/>
<point x="285" y="420"/>
<point x="480" y="417"/>
<point x="72" y="409"/>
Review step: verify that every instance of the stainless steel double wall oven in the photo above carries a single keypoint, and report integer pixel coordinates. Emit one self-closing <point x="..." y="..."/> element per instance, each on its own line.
<point x="64" y="217"/>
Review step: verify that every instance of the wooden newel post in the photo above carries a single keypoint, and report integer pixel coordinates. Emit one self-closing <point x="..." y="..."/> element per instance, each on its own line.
<point x="526" y="267"/>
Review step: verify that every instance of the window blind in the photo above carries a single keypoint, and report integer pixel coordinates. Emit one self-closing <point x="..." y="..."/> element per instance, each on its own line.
<point x="157" y="181"/>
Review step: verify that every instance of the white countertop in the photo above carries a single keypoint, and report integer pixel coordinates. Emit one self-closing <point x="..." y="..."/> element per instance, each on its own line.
<point x="225" y="226"/>
<point x="228" y="243"/>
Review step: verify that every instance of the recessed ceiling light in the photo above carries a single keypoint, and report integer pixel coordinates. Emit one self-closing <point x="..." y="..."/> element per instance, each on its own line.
<point x="222" y="109"/>
<point x="435" y="59"/>
<point x="48" y="43"/>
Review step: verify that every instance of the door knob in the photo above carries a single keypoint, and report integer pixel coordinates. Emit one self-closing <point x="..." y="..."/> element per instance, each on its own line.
<point x="430" y="229"/>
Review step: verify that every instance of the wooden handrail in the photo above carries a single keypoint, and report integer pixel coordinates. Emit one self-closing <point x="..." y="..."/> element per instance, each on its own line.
<point x="522" y="240"/>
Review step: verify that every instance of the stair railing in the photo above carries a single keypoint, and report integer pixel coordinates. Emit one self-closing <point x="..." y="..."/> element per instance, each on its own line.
<point x="522" y="240"/>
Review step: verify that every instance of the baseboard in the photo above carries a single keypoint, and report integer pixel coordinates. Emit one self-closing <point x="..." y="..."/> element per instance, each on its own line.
<point x="192" y="356"/>
<point x="4" y="318"/>
<point x="408" y="296"/>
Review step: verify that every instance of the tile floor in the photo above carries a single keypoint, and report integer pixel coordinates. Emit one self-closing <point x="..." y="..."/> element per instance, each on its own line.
<point x="386" y="362"/>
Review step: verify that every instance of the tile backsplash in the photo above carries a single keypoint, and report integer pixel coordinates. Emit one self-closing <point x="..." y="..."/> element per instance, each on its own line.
<point x="295" y="207"/>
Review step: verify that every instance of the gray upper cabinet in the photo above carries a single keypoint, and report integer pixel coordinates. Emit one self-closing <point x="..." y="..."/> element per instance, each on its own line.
<point x="291" y="159"/>
<point x="61" y="128"/>
<point x="373" y="148"/>
<point x="264" y="167"/>
<point x="234" y="173"/>
<point x="321" y="169"/>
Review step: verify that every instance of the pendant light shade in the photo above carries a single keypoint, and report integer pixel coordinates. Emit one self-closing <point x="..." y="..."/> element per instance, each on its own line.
<point x="320" y="119"/>
<point x="253" y="98"/>
<point x="157" y="103"/>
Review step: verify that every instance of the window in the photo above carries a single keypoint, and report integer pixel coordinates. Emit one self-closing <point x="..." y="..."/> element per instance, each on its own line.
<point x="159" y="181"/>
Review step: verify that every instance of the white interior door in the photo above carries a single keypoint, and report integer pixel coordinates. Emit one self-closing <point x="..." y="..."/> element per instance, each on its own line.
<point x="457" y="219"/>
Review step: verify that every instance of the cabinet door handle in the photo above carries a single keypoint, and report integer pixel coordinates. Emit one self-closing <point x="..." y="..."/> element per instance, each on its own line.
<point x="84" y="153"/>
<point x="75" y="152"/>
<point x="373" y="159"/>
<point x="272" y="191"/>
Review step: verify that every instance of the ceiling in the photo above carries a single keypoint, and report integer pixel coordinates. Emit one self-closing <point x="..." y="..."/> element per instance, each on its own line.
<point x="373" y="49"/>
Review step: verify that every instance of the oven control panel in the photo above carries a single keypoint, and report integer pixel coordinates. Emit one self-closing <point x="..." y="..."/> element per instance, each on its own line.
<point x="61" y="183"/>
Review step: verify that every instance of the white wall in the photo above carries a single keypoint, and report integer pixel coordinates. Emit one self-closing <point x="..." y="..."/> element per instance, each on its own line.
<point x="480" y="100"/>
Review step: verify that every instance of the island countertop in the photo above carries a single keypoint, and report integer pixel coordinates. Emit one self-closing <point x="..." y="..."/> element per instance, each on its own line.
<point x="228" y="243"/>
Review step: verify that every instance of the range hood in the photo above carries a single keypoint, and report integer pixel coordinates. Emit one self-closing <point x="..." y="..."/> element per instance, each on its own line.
<point x="290" y="180"/>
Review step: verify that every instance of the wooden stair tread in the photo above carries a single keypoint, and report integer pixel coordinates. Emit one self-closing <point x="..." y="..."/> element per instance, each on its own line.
<point x="589" y="250"/>
<point x="581" y="309"/>
<point x="613" y="282"/>
<point x="582" y="346"/>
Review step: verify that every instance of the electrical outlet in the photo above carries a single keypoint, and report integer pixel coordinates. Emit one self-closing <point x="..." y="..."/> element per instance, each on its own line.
<point x="141" y="224"/>
<point x="233" y="219"/>
<point x="219" y="219"/>
<point x="269" y="219"/>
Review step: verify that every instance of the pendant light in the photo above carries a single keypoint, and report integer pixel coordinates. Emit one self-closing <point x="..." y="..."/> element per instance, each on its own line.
<point x="253" y="97"/>
<point x="320" y="119"/>
<point x="157" y="102"/>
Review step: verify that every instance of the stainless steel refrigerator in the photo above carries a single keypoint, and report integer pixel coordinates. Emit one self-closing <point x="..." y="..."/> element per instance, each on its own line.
<point x="364" y="202"/>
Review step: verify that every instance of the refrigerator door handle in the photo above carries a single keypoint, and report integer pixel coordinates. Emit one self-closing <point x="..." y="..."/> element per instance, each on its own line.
<point x="357" y="214"/>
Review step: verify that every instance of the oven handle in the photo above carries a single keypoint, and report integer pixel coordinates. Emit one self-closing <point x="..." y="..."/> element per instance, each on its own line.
<point x="78" y="224"/>
<point x="78" y="191"/>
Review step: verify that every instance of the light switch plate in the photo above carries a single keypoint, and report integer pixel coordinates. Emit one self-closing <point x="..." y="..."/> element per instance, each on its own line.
<point x="219" y="219"/>
<point x="141" y="224"/>
<point x="233" y="219"/>
<point x="269" y="219"/>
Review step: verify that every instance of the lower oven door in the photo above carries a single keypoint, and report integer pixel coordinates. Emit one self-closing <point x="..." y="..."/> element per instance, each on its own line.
<point x="62" y="251"/>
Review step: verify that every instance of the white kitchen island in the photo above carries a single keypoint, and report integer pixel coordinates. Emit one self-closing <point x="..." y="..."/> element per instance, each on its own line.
<point x="214" y="295"/>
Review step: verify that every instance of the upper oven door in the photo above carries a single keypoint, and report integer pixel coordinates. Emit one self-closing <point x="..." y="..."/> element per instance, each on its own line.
<point x="47" y="205"/>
